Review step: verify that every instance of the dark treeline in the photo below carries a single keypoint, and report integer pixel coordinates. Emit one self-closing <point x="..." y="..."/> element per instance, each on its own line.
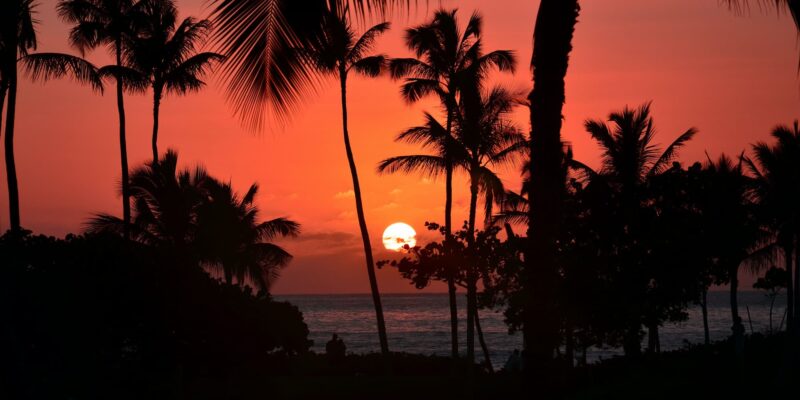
<point x="172" y="299"/>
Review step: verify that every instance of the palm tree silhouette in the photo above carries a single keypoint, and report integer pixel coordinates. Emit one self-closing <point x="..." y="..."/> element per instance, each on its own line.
<point x="17" y="38"/>
<point x="448" y="152"/>
<point x="230" y="237"/>
<point x="446" y="59"/>
<point x="165" y="202"/>
<point x="198" y="220"/>
<point x="259" y="39"/>
<point x="488" y="139"/>
<point x="107" y="23"/>
<point x="777" y="186"/>
<point x="729" y="218"/>
<point x="166" y="55"/>
<point x="552" y="44"/>
<point x="338" y="52"/>
<point x="628" y="161"/>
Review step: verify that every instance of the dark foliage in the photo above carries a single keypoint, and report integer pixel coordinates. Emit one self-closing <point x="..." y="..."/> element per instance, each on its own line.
<point x="100" y="317"/>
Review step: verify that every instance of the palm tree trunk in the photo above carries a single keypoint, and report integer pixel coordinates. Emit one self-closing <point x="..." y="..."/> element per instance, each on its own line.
<point x="448" y="226"/>
<point x="796" y="287"/>
<point x="790" y="289"/>
<point x="472" y="278"/>
<point x="482" y="341"/>
<point x="738" y="327"/>
<point x="569" y="347"/>
<point x="156" y="106"/>
<point x="373" y="281"/>
<point x="11" y="166"/>
<point x="653" y="344"/>
<point x="2" y="103"/>
<point x="631" y="345"/>
<point x="552" y="43"/>
<point x="704" y="309"/>
<point x="123" y="148"/>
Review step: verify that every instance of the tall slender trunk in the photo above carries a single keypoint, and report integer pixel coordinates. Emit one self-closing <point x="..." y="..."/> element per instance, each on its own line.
<point x="738" y="326"/>
<point x="771" y="307"/>
<point x="631" y="342"/>
<point x="734" y="299"/>
<point x="704" y="309"/>
<point x="472" y="276"/>
<point x="796" y="285"/>
<point x="123" y="148"/>
<point x="156" y="107"/>
<point x="653" y="342"/>
<point x="486" y="358"/>
<point x="3" y="90"/>
<point x="448" y="228"/>
<point x="552" y="43"/>
<point x="11" y="166"/>
<point x="569" y="347"/>
<point x="790" y="289"/>
<point x="362" y="223"/>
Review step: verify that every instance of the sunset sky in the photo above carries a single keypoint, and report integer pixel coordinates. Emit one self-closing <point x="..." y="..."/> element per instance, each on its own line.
<point x="733" y="77"/>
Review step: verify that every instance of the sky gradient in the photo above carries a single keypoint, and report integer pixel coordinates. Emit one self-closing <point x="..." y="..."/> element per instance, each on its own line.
<point x="733" y="77"/>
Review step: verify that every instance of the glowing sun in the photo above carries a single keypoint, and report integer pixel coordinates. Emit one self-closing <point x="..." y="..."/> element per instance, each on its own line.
<point x="398" y="235"/>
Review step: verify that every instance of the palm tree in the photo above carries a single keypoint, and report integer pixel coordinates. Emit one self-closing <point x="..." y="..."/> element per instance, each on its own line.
<point x="166" y="200"/>
<point x="197" y="220"/>
<point x="489" y="139"/>
<point x="230" y="237"/>
<point x="17" y="38"/>
<point x="777" y="185"/>
<point x="448" y="156"/>
<point x="732" y="229"/>
<point x="552" y="44"/>
<point x="629" y="161"/>
<point x="107" y="23"/>
<point x="484" y="137"/>
<point x="445" y="57"/>
<point x="338" y="53"/>
<point x="167" y="56"/>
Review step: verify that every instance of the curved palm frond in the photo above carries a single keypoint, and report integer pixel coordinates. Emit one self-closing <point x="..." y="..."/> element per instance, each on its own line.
<point x="46" y="66"/>
<point x="671" y="152"/>
<point x="370" y="67"/>
<point x="427" y="165"/>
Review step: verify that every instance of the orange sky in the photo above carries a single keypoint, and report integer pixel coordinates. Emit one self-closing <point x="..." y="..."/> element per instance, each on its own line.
<point x="732" y="77"/>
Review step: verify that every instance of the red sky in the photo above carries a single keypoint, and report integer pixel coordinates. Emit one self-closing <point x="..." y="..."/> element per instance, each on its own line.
<point x="733" y="77"/>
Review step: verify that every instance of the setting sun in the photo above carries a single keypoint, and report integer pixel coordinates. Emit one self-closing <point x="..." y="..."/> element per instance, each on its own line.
<point x="398" y="235"/>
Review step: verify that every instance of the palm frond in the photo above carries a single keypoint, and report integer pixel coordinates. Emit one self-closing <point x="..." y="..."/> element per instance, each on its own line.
<point x="672" y="151"/>
<point x="46" y="66"/>
<point x="370" y="66"/>
<point x="132" y="80"/>
<point x="365" y="43"/>
<point x="427" y="165"/>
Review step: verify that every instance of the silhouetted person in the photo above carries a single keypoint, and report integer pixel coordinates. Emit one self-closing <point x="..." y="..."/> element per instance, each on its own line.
<point x="514" y="362"/>
<point x="335" y="349"/>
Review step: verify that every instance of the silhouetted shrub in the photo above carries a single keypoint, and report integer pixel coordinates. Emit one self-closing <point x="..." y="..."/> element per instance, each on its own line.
<point x="100" y="317"/>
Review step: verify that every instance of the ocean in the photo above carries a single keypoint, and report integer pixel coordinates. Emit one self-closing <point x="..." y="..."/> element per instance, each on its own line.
<point x="420" y="323"/>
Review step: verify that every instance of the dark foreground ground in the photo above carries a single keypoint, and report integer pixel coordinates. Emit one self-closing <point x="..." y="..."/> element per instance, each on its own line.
<point x="766" y="370"/>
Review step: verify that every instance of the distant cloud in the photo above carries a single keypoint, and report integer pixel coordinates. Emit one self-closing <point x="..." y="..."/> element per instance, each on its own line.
<point x="328" y="243"/>
<point x="396" y="191"/>
<point x="326" y="236"/>
<point x="388" y="206"/>
<point x="344" y="195"/>
<point x="426" y="181"/>
<point x="293" y="196"/>
<point x="346" y="215"/>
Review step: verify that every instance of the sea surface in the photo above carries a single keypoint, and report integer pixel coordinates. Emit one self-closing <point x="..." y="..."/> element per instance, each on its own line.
<point x="420" y="323"/>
